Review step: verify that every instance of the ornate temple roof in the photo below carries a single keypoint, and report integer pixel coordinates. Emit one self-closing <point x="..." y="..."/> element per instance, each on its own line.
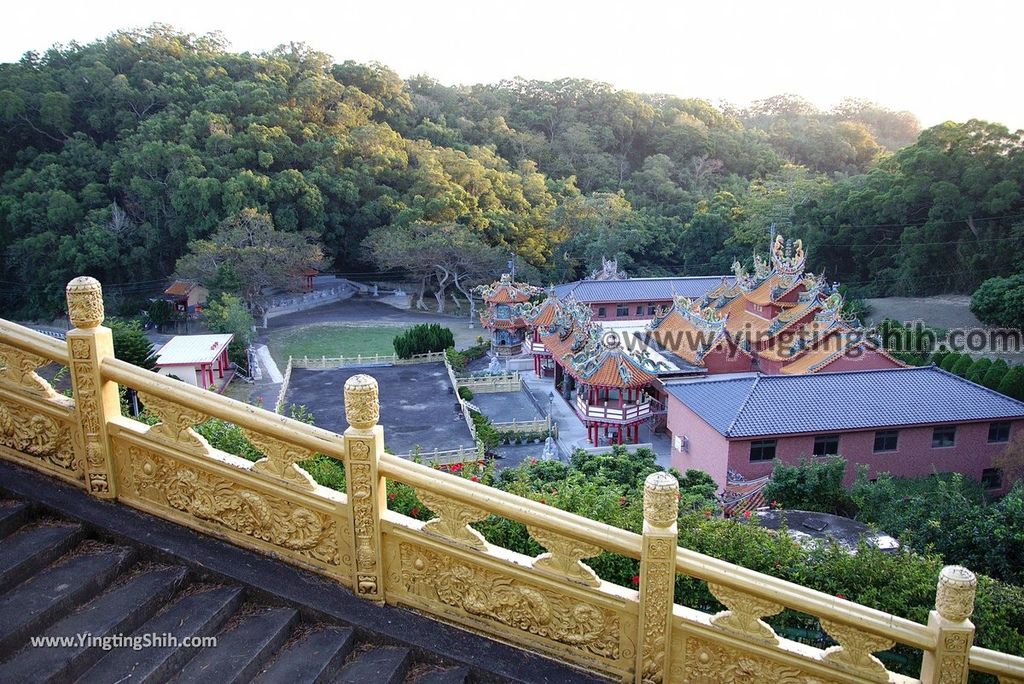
<point x="505" y="291"/>
<point x="689" y="330"/>
<point x="761" y="405"/>
<point x="582" y="347"/>
<point x="543" y="314"/>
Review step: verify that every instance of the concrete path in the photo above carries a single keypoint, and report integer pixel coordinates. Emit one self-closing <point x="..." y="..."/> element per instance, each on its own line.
<point x="571" y="432"/>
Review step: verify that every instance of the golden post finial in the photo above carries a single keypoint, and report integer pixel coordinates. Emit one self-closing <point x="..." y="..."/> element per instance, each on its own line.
<point x="362" y="408"/>
<point x="85" y="302"/>
<point x="661" y="499"/>
<point x="954" y="598"/>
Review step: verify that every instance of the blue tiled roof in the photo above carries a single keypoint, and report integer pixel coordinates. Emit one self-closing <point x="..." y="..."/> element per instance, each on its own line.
<point x="754" y="405"/>
<point x="639" y="289"/>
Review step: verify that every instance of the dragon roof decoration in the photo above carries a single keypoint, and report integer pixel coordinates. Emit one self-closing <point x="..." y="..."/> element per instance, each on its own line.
<point x="788" y="257"/>
<point x="507" y="291"/>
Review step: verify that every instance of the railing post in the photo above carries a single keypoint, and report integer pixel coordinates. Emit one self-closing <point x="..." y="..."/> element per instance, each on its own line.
<point x="657" y="577"/>
<point x="96" y="400"/>
<point x="951" y="627"/>
<point x="364" y="444"/>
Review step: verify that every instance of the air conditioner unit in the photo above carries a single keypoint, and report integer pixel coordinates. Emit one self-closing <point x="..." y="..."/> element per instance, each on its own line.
<point x="682" y="443"/>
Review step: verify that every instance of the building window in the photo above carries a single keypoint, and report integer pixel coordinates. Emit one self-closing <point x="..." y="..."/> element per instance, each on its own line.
<point x="886" y="440"/>
<point x="826" y="445"/>
<point x="621" y="310"/>
<point x="639" y="309"/>
<point x="601" y="313"/>
<point x="992" y="478"/>
<point x="998" y="432"/>
<point x="943" y="436"/>
<point x="762" y="450"/>
<point x="650" y="309"/>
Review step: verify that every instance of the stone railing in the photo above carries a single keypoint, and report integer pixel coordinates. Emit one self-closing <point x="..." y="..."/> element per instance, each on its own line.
<point x="327" y="362"/>
<point x="553" y="603"/>
<point x="482" y="384"/>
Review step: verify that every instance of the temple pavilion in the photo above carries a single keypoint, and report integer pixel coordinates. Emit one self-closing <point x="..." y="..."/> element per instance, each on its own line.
<point x="504" y="317"/>
<point x="606" y="384"/>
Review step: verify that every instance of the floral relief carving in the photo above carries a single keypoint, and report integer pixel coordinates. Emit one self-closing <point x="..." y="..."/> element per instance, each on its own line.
<point x="217" y="499"/>
<point x="86" y="397"/>
<point x="176" y="423"/>
<point x="744" y="614"/>
<point x="453" y="518"/>
<point x="708" y="662"/>
<point x="279" y="460"/>
<point x="565" y="556"/>
<point x="657" y="585"/>
<point x="507" y="601"/>
<point x="364" y="519"/>
<point x="854" y="651"/>
<point x="19" y="370"/>
<point x="38" y="435"/>
<point x="952" y="669"/>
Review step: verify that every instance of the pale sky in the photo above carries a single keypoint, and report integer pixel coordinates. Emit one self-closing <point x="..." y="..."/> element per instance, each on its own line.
<point x="941" y="60"/>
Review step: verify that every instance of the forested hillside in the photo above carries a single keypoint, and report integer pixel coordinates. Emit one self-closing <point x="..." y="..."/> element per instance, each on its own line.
<point x="116" y="155"/>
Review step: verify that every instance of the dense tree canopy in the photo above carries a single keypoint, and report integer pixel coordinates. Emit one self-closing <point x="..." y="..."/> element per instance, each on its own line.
<point x="121" y="156"/>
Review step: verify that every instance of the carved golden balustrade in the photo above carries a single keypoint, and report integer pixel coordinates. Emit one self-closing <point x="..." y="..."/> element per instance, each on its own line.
<point x="553" y="603"/>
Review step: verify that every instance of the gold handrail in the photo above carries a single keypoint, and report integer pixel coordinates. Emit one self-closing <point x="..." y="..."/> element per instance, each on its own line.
<point x="803" y="599"/>
<point x="996" y="663"/>
<point x="218" y="406"/>
<point x="511" y="506"/>
<point x="35" y="342"/>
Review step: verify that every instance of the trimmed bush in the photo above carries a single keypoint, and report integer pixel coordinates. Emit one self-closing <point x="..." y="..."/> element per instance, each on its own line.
<point x="994" y="375"/>
<point x="466" y="393"/>
<point x="1012" y="384"/>
<point x="423" y="338"/>
<point x="978" y="370"/>
<point x="950" y="360"/>
<point x="963" y="366"/>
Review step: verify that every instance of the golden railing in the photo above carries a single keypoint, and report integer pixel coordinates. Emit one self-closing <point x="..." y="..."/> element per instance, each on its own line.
<point x="552" y="604"/>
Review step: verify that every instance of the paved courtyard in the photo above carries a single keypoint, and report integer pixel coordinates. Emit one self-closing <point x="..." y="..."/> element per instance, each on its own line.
<point x="504" y="407"/>
<point x="417" y="406"/>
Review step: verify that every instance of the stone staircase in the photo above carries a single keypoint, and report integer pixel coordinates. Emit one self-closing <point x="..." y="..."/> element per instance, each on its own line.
<point x="71" y="565"/>
<point x="58" y="581"/>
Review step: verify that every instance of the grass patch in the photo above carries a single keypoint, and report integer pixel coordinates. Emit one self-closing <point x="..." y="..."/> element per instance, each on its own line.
<point x="315" y="341"/>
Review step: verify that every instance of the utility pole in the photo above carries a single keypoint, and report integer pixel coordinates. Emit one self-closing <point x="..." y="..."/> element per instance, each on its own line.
<point x="512" y="266"/>
<point x="771" y="239"/>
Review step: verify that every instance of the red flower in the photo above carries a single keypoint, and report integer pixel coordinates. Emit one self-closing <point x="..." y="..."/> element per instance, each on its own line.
<point x="544" y="501"/>
<point x="707" y="514"/>
<point x="746" y="514"/>
<point x="415" y="511"/>
<point x="636" y="580"/>
<point x="841" y="596"/>
<point x="391" y="496"/>
<point x="533" y="460"/>
<point x="475" y="478"/>
<point x="622" y="501"/>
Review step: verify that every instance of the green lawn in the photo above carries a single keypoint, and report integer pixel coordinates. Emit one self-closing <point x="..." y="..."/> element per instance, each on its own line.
<point x="332" y="340"/>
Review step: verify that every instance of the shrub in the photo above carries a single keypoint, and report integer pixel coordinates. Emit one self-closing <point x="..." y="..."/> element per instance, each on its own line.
<point x="963" y="366"/>
<point x="423" y="338"/>
<point x="978" y="369"/>
<point x="485" y="431"/>
<point x="1012" y="384"/>
<point x="994" y="375"/>
<point x="950" y="360"/>
<point x="1000" y="301"/>
<point x="812" y="485"/>
<point x="466" y="393"/>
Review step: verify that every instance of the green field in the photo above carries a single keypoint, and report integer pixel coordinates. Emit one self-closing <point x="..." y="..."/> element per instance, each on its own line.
<point x="331" y="340"/>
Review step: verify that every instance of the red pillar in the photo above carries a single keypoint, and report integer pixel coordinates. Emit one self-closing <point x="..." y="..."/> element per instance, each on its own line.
<point x="220" y="365"/>
<point x="209" y="371"/>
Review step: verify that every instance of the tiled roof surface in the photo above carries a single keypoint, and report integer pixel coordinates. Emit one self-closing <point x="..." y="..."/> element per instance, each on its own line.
<point x="639" y="289"/>
<point x="751" y="406"/>
<point x="180" y="288"/>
